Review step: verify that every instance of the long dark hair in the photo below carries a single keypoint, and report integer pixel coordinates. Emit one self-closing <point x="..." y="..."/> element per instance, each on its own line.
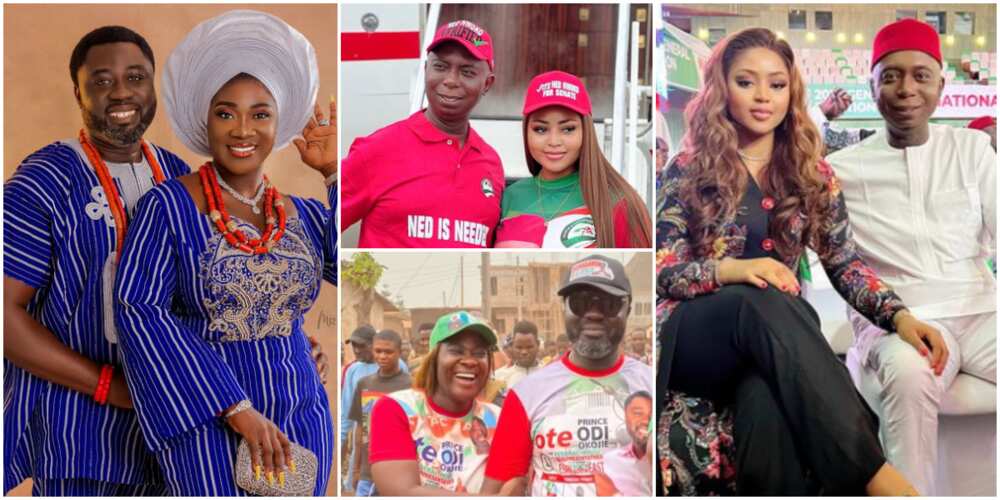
<point x="715" y="178"/>
<point x="602" y="187"/>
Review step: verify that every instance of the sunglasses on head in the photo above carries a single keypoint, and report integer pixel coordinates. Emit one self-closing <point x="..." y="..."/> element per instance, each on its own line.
<point x="582" y="301"/>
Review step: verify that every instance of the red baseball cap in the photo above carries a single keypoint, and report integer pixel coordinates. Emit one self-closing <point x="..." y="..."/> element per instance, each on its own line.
<point x="906" y="34"/>
<point x="982" y="122"/>
<point x="556" y="88"/>
<point x="470" y="35"/>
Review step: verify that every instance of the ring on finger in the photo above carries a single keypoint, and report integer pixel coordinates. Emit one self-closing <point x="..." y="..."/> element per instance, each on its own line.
<point x="324" y="122"/>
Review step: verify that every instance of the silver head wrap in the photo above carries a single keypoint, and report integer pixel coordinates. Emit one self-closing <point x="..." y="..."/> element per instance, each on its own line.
<point x="240" y="41"/>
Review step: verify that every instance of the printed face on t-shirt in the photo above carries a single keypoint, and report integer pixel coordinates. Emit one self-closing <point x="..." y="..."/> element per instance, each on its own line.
<point x="555" y="137"/>
<point x="462" y="368"/>
<point x="454" y="80"/>
<point x="637" y="414"/>
<point x="595" y="330"/>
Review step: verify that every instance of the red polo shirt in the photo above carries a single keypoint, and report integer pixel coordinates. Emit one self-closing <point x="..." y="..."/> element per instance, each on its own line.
<point x="411" y="185"/>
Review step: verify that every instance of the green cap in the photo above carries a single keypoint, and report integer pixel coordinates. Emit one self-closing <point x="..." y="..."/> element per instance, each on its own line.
<point x="452" y="324"/>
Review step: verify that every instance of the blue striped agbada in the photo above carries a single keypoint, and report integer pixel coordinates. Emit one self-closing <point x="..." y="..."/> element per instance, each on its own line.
<point x="58" y="234"/>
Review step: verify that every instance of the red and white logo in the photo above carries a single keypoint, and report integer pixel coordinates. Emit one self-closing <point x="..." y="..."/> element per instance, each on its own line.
<point x="591" y="268"/>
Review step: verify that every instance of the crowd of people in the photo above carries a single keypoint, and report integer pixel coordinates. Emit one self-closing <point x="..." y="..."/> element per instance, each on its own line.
<point x="903" y="220"/>
<point x="474" y="413"/>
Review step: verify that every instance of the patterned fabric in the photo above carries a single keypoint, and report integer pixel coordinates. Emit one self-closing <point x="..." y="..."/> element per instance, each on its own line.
<point x="91" y="488"/>
<point x="279" y="285"/>
<point x="206" y="327"/>
<point x="558" y="423"/>
<point x="58" y="235"/>
<point x="683" y="275"/>
<point x="449" y="455"/>
<point x="694" y="438"/>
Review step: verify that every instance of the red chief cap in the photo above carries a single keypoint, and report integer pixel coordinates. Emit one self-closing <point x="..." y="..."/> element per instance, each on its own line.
<point x="982" y="122"/>
<point x="556" y="88"/>
<point x="470" y="35"/>
<point x="906" y="34"/>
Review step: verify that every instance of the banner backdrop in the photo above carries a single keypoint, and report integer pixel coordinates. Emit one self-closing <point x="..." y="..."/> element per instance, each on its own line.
<point x="957" y="101"/>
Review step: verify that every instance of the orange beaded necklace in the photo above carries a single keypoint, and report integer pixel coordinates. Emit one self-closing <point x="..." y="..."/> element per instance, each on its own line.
<point x="111" y="190"/>
<point x="218" y="214"/>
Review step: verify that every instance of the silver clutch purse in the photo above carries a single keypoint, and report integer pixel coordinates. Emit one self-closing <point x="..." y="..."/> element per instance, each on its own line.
<point x="300" y="483"/>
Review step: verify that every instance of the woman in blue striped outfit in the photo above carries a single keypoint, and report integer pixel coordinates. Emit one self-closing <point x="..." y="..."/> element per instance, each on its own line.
<point x="218" y="269"/>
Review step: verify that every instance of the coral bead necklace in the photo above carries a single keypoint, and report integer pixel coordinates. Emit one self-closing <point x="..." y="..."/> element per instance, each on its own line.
<point x="115" y="203"/>
<point x="228" y="227"/>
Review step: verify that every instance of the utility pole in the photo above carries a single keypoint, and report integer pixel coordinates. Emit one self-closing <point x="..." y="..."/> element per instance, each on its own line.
<point x="517" y="287"/>
<point x="484" y="278"/>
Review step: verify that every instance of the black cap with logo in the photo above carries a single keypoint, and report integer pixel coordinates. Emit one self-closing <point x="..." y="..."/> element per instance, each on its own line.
<point x="363" y="334"/>
<point x="598" y="271"/>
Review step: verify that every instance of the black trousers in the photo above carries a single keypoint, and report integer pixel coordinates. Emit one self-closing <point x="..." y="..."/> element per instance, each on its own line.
<point x="800" y="426"/>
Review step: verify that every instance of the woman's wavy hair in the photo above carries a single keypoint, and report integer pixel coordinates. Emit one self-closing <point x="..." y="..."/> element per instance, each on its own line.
<point x="715" y="179"/>
<point x="602" y="187"/>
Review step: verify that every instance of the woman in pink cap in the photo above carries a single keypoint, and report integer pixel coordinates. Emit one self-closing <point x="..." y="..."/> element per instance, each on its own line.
<point x="575" y="198"/>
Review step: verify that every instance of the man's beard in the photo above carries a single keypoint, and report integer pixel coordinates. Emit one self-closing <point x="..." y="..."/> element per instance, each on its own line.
<point x="637" y="440"/>
<point x="119" y="135"/>
<point x="591" y="348"/>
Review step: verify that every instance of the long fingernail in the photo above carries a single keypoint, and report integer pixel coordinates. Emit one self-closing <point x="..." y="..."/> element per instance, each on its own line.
<point x="291" y="465"/>
<point x="281" y="478"/>
<point x="257" y="470"/>
<point x="270" y="477"/>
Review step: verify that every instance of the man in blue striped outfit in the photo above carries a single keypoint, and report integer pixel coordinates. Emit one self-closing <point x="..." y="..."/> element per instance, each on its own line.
<point x="59" y="256"/>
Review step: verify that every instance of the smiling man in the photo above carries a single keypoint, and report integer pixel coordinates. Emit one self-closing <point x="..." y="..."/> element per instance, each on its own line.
<point x="628" y="470"/>
<point x="922" y="203"/>
<point x="560" y="421"/>
<point x="68" y="422"/>
<point x="430" y="180"/>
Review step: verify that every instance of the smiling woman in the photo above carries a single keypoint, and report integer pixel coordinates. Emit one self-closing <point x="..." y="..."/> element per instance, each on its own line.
<point x="575" y="198"/>
<point x="241" y="264"/>
<point x="433" y="439"/>
<point x="242" y="124"/>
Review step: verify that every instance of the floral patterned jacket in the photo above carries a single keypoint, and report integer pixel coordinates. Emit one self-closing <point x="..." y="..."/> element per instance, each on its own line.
<point x="695" y="436"/>
<point x="681" y="275"/>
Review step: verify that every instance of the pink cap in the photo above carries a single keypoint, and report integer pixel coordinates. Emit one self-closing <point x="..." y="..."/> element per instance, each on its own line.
<point x="469" y="35"/>
<point x="556" y="88"/>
